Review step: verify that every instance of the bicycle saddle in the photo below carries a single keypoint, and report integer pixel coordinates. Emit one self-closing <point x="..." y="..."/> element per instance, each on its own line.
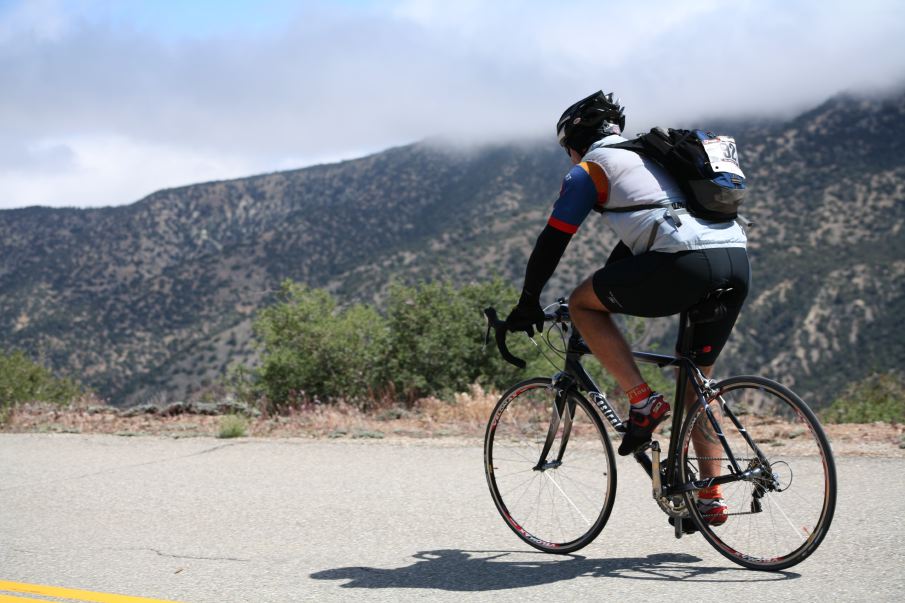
<point x="709" y="309"/>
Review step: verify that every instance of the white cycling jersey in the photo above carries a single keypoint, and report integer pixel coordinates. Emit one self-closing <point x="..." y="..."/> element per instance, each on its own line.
<point x="635" y="180"/>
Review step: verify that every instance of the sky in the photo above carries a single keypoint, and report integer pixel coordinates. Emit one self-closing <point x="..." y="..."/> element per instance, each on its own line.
<point x="102" y="102"/>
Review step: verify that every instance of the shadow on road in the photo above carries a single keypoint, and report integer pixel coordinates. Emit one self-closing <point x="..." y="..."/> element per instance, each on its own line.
<point x="457" y="570"/>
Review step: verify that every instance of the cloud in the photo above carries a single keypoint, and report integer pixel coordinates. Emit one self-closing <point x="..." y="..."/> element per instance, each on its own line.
<point x="131" y="105"/>
<point x="39" y="20"/>
<point x="89" y="171"/>
<point x="46" y="156"/>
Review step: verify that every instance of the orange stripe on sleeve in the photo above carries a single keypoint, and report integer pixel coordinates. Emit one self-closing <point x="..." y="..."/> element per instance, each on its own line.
<point x="598" y="177"/>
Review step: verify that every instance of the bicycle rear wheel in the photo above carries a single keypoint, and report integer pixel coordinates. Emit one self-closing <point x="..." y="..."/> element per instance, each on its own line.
<point x="779" y="516"/>
<point x="557" y="505"/>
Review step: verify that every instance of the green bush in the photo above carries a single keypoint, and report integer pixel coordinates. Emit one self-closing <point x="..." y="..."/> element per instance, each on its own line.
<point x="879" y="397"/>
<point x="428" y="341"/>
<point x="232" y="426"/>
<point x="311" y="349"/>
<point x="23" y="380"/>
<point x="437" y="334"/>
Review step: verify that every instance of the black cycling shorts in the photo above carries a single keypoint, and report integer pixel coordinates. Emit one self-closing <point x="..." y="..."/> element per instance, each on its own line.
<point x="662" y="284"/>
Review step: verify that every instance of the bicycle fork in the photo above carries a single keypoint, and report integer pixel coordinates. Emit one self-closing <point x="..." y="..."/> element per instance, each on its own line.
<point x="562" y="413"/>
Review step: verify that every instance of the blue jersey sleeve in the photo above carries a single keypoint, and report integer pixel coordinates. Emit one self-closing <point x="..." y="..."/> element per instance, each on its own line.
<point x="582" y="188"/>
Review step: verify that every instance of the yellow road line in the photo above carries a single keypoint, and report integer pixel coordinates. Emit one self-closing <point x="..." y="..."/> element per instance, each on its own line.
<point x="67" y="593"/>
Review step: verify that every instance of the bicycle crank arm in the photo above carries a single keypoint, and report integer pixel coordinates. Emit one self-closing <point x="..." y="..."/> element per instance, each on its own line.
<point x="644" y="461"/>
<point x="655" y="473"/>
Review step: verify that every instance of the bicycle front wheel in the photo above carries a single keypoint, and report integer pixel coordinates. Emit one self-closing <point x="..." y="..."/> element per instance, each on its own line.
<point x="550" y="466"/>
<point x="778" y="515"/>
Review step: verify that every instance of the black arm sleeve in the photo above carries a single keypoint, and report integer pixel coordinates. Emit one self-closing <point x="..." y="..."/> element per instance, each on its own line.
<point x="548" y="250"/>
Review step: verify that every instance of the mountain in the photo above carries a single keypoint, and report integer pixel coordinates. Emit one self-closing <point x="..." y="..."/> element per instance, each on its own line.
<point x="155" y="299"/>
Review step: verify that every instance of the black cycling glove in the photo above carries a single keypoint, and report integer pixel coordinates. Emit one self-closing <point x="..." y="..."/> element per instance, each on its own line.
<point x="526" y="318"/>
<point x="548" y="249"/>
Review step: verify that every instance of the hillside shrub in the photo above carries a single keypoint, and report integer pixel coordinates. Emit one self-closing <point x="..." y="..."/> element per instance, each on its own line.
<point x="313" y="350"/>
<point x="427" y="341"/>
<point x="437" y="334"/>
<point x="879" y="397"/>
<point x="23" y="380"/>
<point x="232" y="426"/>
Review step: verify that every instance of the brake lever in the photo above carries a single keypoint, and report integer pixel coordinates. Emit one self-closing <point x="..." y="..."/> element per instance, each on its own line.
<point x="499" y="327"/>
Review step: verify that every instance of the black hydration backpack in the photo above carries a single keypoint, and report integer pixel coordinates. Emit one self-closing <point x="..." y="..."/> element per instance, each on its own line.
<point x="705" y="166"/>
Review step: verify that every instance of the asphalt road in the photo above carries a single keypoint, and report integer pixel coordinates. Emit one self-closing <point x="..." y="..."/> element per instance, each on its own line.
<point x="203" y="520"/>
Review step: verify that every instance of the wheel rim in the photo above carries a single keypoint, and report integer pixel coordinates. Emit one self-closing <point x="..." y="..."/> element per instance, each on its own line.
<point x="557" y="506"/>
<point x="778" y="518"/>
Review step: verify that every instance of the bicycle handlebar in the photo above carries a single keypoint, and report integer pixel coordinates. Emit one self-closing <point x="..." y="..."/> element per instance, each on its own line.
<point x="561" y="314"/>
<point x="499" y="328"/>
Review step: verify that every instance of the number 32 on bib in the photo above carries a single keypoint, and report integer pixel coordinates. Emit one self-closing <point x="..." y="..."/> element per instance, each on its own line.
<point x="723" y="155"/>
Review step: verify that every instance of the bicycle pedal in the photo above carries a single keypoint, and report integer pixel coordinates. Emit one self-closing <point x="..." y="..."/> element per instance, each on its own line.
<point x="688" y="526"/>
<point x="648" y="445"/>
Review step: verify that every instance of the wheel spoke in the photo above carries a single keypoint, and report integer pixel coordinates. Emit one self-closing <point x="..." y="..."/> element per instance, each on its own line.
<point x="566" y="502"/>
<point x="566" y="496"/>
<point x="756" y="531"/>
<point x="519" y="486"/>
<point x="795" y="530"/>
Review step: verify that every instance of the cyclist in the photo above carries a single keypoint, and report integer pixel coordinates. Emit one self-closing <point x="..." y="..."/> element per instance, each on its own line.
<point x="666" y="262"/>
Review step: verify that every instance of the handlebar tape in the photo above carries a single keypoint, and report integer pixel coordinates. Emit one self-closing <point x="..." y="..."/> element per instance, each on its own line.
<point x="499" y="328"/>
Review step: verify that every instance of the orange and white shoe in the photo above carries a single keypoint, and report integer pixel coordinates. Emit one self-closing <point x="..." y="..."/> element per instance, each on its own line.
<point x="712" y="507"/>
<point x="642" y="420"/>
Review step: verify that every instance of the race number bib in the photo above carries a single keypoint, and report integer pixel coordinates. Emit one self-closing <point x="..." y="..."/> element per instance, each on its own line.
<point x="723" y="155"/>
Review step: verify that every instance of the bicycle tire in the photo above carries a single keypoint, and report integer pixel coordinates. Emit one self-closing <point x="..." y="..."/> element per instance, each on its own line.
<point x="559" y="509"/>
<point x="777" y="520"/>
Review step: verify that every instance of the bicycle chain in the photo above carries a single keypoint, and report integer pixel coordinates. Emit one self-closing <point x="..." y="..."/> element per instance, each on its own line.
<point x="714" y="458"/>
<point x="717" y="458"/>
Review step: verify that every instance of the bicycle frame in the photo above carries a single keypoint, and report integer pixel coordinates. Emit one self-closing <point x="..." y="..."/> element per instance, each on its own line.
<point x="665" y="480"/>
<point x="558" y="510"/>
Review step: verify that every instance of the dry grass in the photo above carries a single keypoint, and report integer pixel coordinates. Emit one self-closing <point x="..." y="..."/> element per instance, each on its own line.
<point x="472" y="408"/>
<point x="466" y="415"/>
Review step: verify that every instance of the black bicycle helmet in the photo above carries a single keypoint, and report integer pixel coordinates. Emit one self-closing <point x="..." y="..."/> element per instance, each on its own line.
<point x="589" y="120"/>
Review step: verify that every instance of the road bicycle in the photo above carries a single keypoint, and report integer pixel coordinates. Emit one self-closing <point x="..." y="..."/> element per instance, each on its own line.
<point x="552" y="473"/>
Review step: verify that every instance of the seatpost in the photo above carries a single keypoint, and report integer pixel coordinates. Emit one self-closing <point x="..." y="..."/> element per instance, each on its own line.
<point x="686" y="333"/>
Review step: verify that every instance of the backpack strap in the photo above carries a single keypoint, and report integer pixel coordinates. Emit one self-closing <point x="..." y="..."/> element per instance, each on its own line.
<point x="653" y="234"/>
<point x="743" y="221"/>
<point x="631" y="208"/>
<point x="672" y="208"/>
